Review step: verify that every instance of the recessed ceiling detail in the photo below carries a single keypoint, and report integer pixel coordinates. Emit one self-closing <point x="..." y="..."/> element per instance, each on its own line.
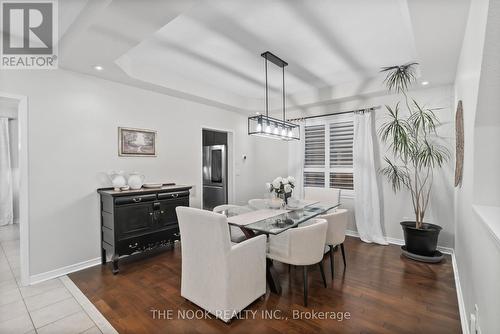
<point x="205" y="50"/>
<point x="213" y="45"/>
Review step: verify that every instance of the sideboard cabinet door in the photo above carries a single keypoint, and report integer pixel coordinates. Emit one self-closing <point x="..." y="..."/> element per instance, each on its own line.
<point x="133" y="220"/>
<point x="168" y="216"/>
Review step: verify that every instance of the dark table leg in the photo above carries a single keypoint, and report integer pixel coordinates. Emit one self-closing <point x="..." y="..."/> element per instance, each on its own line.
<point x="273" y="279"/>
<point x="248" y="233"/>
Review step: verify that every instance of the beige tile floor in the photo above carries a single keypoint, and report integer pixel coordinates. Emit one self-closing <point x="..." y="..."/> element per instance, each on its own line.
<point x="47" y="307"/>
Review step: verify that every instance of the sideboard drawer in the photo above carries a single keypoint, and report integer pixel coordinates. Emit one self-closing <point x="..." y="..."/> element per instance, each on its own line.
<point x="148" y="241"/>
<point x="135" y="199"/>
<point x="174" y="195"/>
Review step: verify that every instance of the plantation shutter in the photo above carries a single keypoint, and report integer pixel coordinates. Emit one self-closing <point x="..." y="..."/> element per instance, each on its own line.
<point x="315" y="146"/>
<point x="314" y="179"/>
<point x="341" y="138"/>
<point x="341" y="180"/>
<point x="328" y="160"/>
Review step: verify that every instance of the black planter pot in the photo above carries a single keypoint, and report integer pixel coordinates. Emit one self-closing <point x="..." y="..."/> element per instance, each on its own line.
<point x="421" y="241"/>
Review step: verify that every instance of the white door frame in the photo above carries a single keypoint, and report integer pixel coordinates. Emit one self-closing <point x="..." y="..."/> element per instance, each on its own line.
<point x="22" y="115"/>
<point x="231" y="175"/>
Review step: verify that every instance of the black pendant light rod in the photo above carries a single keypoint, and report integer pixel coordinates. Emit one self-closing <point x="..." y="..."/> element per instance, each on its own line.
<point x="268" y="56"/>
<point x="283" y="70"/>
<point x="267" y="99"/>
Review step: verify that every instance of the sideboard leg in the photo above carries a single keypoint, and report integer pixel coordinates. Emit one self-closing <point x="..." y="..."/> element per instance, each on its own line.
<point x="114" y="259"/>
<point x="103" y="256"/>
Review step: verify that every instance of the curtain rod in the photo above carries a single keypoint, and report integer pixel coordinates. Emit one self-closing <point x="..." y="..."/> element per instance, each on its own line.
<point x="333" y="114"/>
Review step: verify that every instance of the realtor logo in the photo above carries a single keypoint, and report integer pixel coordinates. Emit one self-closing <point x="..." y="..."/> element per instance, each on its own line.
<point x="29" y="31"/>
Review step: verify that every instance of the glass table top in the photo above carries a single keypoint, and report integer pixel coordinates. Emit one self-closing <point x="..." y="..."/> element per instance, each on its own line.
<point x="293" y="218"/>
<point x="229" y="213"/>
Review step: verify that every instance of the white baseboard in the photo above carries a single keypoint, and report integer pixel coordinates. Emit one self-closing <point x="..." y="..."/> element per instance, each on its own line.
<point x="38" y="278"/>
<point x="460" y="296"/>
<point x="446" y="250"/>
<point x="400" y="242"/>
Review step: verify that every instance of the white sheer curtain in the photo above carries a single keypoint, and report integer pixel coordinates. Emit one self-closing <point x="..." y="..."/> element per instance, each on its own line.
<point x="6" y="205"/>
<point x="296" y="163"/>
<point x="366" y="201"/>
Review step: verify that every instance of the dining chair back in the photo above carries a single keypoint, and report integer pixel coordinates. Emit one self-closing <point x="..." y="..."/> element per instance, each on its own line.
<point x="301" y="246"/>
<point x="331" y="195"/>
<point x="219" y="277"/>
<point x="337" y="225"/>
<point x="258" y="204"/>
<point x="196" y="227"/>
<point x="305" y="243"/>
<point x="233" y="210"/>
<point x="335" y="235"/>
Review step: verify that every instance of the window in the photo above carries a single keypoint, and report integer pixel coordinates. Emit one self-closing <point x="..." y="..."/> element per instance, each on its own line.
<point x="314" y="179"/>
<point x="315" y="146"/>
<point x="328" y="158"/>
<point x="340" y="142"/>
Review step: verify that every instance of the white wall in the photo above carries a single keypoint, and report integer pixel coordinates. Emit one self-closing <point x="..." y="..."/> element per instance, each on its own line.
<point x="73" y="121"/>
<point x="397" y="207"/>
<point x="476" y="250"/>
<point x="487" y="121"/>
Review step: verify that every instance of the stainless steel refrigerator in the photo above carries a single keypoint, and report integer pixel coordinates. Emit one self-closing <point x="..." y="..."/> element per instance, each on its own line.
<point x="214" y="176"/>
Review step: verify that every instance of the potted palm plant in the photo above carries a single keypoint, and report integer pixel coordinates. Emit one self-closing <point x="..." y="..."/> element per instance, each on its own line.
<point x="410" y="133"/>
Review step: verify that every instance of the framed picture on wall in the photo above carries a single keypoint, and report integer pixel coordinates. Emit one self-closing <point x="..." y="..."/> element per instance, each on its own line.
<point x="136" y="142"/>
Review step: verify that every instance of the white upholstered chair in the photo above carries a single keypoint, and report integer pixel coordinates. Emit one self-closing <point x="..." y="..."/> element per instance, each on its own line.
<point x="258" y="204"/>
<point x="217" y="276"/>
<point x="335" y="235"/>
<point x="301" y="246"/>
<point x="232" y="210"/>
<point x="331" y="195"/>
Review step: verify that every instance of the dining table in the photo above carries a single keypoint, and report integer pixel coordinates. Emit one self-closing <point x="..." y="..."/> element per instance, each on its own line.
<point x="275" y="221"/>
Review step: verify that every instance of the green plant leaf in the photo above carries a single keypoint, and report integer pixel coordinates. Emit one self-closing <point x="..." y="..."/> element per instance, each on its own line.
<point x="400" y="77"/>
<point x="396" y="132"/>
<point x="431" y="155"/>
<point x="397" y="175"/>
<point x="423" y="119"/>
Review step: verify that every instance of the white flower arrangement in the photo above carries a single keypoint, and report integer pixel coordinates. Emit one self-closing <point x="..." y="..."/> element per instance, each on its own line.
<point x="282" y="186"/>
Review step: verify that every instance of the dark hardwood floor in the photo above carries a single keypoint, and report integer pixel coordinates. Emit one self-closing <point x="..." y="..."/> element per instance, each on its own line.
<point x="382" y="291"/>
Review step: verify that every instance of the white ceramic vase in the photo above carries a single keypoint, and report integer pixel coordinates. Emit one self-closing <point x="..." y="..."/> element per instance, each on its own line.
<point x="135" y="181"/>
<point x="117" y="179"/>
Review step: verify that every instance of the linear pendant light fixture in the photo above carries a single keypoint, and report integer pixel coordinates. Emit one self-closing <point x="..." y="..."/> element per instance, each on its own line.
<point x="267" y="126"/>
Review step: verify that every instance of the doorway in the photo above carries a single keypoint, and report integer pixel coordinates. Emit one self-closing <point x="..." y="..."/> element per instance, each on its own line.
<point x="13" y="188"/>
<point x="10" y="248"/>
<point x="214" y="168"/>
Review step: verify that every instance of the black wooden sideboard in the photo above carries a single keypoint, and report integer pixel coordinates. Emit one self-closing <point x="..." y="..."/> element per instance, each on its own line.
<point x="139" y="220"/>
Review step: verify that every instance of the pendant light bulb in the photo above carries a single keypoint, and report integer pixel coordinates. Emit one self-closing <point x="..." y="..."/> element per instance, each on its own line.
<point x="259" y="127"/>
<point x="276" y="131"/>
<point x="290" y="134"/>
<point x="268" y="128"/>
<point x="283" y="132"/>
